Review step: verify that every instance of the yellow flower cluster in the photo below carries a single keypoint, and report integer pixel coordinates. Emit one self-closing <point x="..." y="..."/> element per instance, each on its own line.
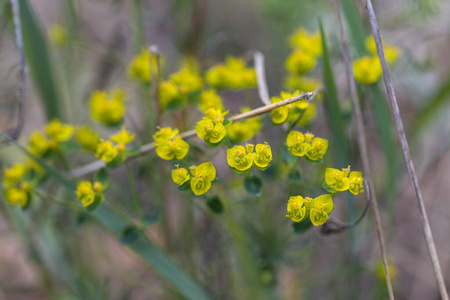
<point x="232" y="74"/>
<point x="318" y="209"/>
<point x="307" y="47"/>
<point x="339" y="181"/>
<point x="88" y="138"/>
<point x="107" y="151"/>
<point x="300" y="144"/>
<point x="142" y="66"/>
<point x="367" y="69"/>
<point x="56" y="133"/>
<point x="88" y="193"/>
<point x="169" y="144"/>
<point x="108" y="107"/>
<point x="17" y="189"/>
<point x="245" y="130"/>
<point x="210" y="99"/>
<point x="292" y="111"/>
<point x="202" y="177"/>
<point x="210" y="128"/>
<point x="241" y="159"/>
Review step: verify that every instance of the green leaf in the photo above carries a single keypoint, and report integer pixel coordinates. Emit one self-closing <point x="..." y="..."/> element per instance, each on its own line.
<point x="302" y="227"/>
<point x="253" y="185"/>
<point x="129" y="152"/>
<point x="129" y="235"/>
<point x="215" y="204"/>
<point x="98" y="200"/>
<point x="186" y="186"/>
<point x="226" y="122"/>
<point x="102" y="177"/>
<point x="355" y="26"/>
<point x="39" y="62"/>
<point x="328" y="188"/>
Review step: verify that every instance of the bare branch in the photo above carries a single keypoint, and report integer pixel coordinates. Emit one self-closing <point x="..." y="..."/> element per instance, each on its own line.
<point x="406" y="154"/>
<point x="98" y="164"/>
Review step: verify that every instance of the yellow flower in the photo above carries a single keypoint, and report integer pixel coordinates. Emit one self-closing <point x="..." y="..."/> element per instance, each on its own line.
<point x="14" y="195"/>
<point x="367" y="69"/>
<point x="106" y="151"/>
<point x="210" y="132"/>
<point x="308" y="137"/>
<point x="163" y="134"/>
<point x="108" y="107"/>
<point x="210" y="99"/>
<point x="13" y="175"/>
<point x="296" y="208"/>
<point x="202" y="176"/>
<point x="215" y="115"/>
<point x="217" y="76"/>
<point x="187" y="81"/>
<point x="298" y="108"/>
<point x="85" y="193"/>
<point x="169" y="96"/>
<point x="307" y="41"/>
<point x="142" y="66"/>
<point x="300" y="62"/>
<point x="318" y="149"/>
<point x="323" y="206"/>
<point x="356" y="181"/>
<point x="391" y="52"/>
<point x="58" y="131"/>
<point x="88" y="138"/>
<point x="97" y="186"/>
<point x="38" y="144"/>
<point x="238" y="159"/>
<point x="123" y="137"/>
<point x="280" y="115"/>
<point x="58" y="35"/>
<point x="302" y="83"/>
<point x="245" y="130"/>
<point x="262" y="157"/>
<point x="180" y="175"/>
<point x="233" y="74"/>
<point x="296" y="144"/>
<point x="172" y="149"/>
<point x="336" y="179"/>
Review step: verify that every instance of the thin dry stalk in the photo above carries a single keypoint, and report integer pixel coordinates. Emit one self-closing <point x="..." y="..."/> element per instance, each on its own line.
<point x="406" y="154"/>
<point x="98" y="164"/>
<point x="362" y="143"/>
<point x="14" y="133"/>
<point x="263" y="91"/>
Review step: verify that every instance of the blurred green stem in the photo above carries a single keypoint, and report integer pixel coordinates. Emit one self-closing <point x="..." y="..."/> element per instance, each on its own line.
<point x="134" y="195"/>
<point x="119" y="212"/>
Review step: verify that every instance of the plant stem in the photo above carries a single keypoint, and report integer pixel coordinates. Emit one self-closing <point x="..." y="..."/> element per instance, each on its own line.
<point x="134" y="195"/>
<point x="118" y="212"/>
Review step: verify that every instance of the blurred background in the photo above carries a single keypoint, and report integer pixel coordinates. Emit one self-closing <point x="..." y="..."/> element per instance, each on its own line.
<point x="250" y="250"/>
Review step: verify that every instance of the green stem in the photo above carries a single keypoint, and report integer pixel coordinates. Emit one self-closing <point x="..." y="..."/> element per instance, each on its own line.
<point x="56" y="201"/>
<point x="134" y="195"/>
<point x="118" y="212"/>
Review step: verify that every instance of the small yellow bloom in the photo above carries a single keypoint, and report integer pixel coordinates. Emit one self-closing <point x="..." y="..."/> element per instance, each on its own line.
<point x="296" y="143"/>
<point x="210" y="99"/>
<point x="233" y="74"/>
<point x="14" y="196"/>
<point x="58" y="35"/>
<point x="123" y="137"/>
<point x="180" y="175"/>
<point x="97" y="186"/>
<point x="307" y="41"/>
<point x="323" y="206"/>
<point x="85" y="193"/>
<point x="209" y="131"/>
<point x="337" y="180"/>
<point x="165" y="133"/>
<point x="38" y="144"/>
<point x="367" y="69"/>
<point x="106" y="151"/>
<point x="172" y="149"/>
<point x="187" y="81"/>
<point x="142" y="66"/>
<point x="88" y="138"/>
<point x="13" y="175"/>
<point x="296" y="208"/>
<point x="217" y="76"/>
<point x="308" y="137"/>
<point x="356" y="181"/>
<point x="58" y="131"/>
<point x="203" y="175"/>
<point x="238" y="159"/>
<point x="262" y="156"/>
<point x="169" y="95"/>
<point x="318" y="149"/>
<point x="245" y="130"/>
<point x="280" y="115"/>
<point x="300" y="62"/>
<point x="108" y="107"/>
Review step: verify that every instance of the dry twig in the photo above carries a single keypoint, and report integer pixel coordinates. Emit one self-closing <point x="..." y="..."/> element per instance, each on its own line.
<point x="362" y="143"/>
<point x="263" y="91"/>
<point x="406" y="154"/>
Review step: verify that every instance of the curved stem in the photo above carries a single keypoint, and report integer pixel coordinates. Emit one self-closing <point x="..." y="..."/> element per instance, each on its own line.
<point x="119" y="212"/>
